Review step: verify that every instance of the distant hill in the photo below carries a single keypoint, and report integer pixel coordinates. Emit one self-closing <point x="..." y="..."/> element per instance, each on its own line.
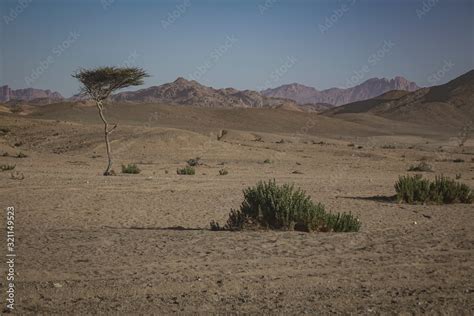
<point x="336" y="96"/>
<point x="318" y="107"/>
<point x="4" y="108"/>
<point x="7" y="94"/>
<point x="190" y="92"/>
<point x="178" y="92"/>
<point x="448" y="104"/>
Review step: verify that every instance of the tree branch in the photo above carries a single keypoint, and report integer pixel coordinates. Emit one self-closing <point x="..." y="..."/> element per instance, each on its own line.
<point x="112" y="129"/>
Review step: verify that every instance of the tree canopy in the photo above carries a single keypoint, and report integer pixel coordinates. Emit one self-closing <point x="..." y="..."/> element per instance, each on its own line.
<point x="100" y="82"/>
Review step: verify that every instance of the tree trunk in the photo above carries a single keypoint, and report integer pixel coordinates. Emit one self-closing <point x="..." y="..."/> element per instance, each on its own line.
<point x="106" y="134"/>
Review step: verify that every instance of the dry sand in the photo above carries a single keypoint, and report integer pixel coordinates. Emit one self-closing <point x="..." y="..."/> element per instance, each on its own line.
<point x="141" y="244"/>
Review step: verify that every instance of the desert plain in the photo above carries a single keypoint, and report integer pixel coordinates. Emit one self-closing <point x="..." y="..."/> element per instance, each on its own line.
<point x="141" y="244"/>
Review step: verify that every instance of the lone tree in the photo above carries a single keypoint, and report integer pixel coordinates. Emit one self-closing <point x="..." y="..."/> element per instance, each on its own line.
<point x="99" y="83"/>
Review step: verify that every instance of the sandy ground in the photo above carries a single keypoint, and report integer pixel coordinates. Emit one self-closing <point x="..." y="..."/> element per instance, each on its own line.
<point x="141" y="243"/>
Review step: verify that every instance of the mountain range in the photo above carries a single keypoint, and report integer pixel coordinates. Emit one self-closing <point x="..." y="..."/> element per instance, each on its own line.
<point x="336" y="96"/>
<point x="190" y="92"/>
<point x="7" y="94"/>
<point x="448" y="104"/>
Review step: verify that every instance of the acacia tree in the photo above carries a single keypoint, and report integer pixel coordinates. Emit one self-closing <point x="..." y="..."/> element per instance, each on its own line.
<point x="99" y="83"/>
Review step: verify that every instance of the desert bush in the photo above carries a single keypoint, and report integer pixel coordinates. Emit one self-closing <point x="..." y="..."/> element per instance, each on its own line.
<point x="413" y="189"/>
<point x="272" y="206"/>
<point x="388" y="147"/>
<point x="17" y="175"/>
<point x="215" y="226"/>
<point x="21" y="155"/>
<point x="193" y="162"/>
<point x="267" y="161"/>
<point x="131" y="168"/>
<point x="4" y="130"/>
<point x="342" y="222"/>
<point x="5" y="154"/>
<point x="223" y="172"/>
<point x="421" y="167"/>
<point x="416" y="190"/>
<point x="221" y="134"/>
<point x="458" y="160"/>
<point x="7" y="167"/>
<point x="188" y="170"/>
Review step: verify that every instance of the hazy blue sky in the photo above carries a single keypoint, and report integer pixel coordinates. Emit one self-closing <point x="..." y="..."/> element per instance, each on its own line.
<point x="242" y="44"/>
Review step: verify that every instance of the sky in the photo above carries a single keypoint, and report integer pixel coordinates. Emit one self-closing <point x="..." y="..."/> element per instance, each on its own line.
<point x="242" y="44"/>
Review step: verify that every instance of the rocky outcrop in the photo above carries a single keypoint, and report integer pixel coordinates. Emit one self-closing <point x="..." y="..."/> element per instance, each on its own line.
<point x="190" y="92"/>
<point x="336" y="96"/>
<point x="7" y="94"/>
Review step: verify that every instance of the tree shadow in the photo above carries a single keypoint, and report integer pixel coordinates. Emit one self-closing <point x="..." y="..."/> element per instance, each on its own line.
<point x="375" y="198"/>
<point x="178" y="228"/>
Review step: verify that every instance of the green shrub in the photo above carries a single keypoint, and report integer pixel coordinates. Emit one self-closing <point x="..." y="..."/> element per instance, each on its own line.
<point x="188" y="170"/>
<point x="412" y="189"/>
<point x="271" y="206"/>
<point x="17" y="175"/>
<point x="7" y="167"/>
<point x="215" y="226"/>
<point x="193" y="162"/>
<point x="342" y="222"/>
<point x="223" y="172"/>
<point x="416" y="190"/>
<point x="421" y="167"/>
<point x="21" y="155"/>
<point x="131" y="168"/>
<point x="267" y="161"/>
